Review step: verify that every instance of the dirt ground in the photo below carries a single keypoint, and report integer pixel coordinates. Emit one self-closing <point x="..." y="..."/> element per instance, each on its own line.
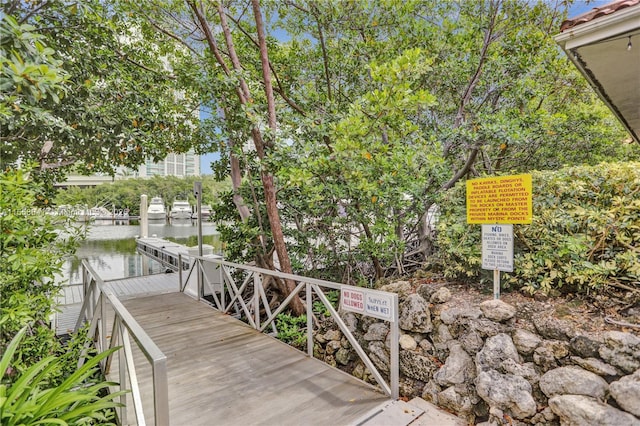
<point x="593" y="314"/>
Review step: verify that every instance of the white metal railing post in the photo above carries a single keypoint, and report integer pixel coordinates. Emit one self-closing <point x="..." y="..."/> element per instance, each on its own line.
<point x="256" y="299"/>
<point x="309" y="321"/>
<point x="161" y="392"/>
<point x="179" y="271"/>
<point x="394" y="375"/>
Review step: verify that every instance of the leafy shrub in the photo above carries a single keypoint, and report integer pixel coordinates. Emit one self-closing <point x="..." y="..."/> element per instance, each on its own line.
<point x="33" y="245"/>
<point x="585" y="233"/>
<point x="79" y="399"/>
<point x="292" y="329"/>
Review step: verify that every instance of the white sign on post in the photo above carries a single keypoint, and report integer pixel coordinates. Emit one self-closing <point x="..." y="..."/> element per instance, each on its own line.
<point x="497" y="247"/>
<point x="377" y="304"/>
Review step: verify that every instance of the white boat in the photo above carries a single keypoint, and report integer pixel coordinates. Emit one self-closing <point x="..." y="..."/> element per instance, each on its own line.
<point x="206" y="212"/>
<point x="180" y="209"/>
<point x="156" y="210"/>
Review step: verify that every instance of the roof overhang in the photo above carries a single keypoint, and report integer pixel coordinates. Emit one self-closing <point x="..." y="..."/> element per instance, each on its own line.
<point x="599" y="49"/>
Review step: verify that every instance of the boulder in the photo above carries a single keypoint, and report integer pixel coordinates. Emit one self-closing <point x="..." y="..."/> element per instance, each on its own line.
<point x="506" y="392"/>
<point x="573" y="380"/>
<point x="407" y="342"/>
<point x="581" y="410"/>
<point x="343" y="356"/>
<point x="584" y="346"/>
<point x="333" y="335"/>
<point x="595" y="365"/>
<point x="527" y="370"/>
<point x="526" y="342"/>
<point x="402" y="288"/>
<point x="553" y="328"/>
<point x="621" y="350"/>
<point x="457" y="369"/>
<point x="497" y="310"/>
<point x="417" y="366"/>
<point x="450" y="315"/>
<point x="441" y="336"/>
<point x="496" y="349"/>
<point x="471" y="342"/>
<point x="441" y="295"/>
<point x="414" y="314"/>
<point x="626" y="392"/>
<point x="377" y="331"/>
<point x="379" y="356"/>
<point x="487" y="328"/>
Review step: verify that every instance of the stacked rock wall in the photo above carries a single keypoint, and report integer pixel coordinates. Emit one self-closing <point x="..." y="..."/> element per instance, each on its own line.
<point x="485" y="364"/>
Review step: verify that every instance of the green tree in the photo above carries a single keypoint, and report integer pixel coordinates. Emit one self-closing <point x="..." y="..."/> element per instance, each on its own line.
<point x="89" y="88"/>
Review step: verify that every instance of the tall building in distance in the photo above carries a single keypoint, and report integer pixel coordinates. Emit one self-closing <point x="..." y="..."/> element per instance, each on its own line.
<point x="187" y="164"/>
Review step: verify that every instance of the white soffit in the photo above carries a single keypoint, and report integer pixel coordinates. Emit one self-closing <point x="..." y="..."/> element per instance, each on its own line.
<point x="598" y="48"/>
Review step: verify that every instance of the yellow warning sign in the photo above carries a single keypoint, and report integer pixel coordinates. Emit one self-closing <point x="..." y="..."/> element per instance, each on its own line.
<point x="500" y="199"/>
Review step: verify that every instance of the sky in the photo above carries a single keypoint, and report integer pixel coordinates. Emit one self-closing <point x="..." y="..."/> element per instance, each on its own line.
<point x="578" y="8"/>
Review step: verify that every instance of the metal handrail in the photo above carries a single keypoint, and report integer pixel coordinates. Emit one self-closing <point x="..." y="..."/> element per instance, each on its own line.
<point x="231" y="297"/>
<point x="94" y="311"/>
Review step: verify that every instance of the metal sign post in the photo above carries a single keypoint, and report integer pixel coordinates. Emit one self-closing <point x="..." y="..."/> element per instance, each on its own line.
<point x="497" y="252"/>
<point x="197" y="191"/>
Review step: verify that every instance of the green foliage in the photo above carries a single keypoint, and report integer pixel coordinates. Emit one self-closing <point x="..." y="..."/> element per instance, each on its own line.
<point x="584" y="236"/>
<point x="79" y="400"/>
<point x="319" y="308"/>
<point x="292" y="329"/>
<point x="33" y="245"/>
<point x="126" y="106"/>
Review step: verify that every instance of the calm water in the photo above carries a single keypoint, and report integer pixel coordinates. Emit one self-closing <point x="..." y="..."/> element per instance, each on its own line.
<point x="111" y="249"/>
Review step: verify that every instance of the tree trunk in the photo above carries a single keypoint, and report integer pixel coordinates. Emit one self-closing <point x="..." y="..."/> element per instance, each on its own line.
<point x="267" y="179"/>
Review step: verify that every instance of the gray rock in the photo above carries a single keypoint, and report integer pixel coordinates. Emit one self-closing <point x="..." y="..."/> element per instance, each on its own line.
<point x="442" y="295"/>
<point x="496" y="349"/>
<point x="457" y="369"/>
<point x="526" y="342"/>
<point x="580" y="410"/>
<point x="487" y="328"/>
<point x="558" y="348"/>
<point x="332" y="346"/>
<point x="430" y="391"/>
<point x="543" y="358"/>
<point x="573" y="380"/>
<point x="497" y="310"/>
<point x="426" y="346"/>
<point x="626" y="392"/>
<point x="343" y="356"/>
<point x="584" y="346"/>
<point x="526" y="370"/>
<point x="455" y="401"/>
<point x="407" y="342"/>
<point x="402" y="288"/>
<point x="377" y="331"/>
<point x="414" y="314"/>
<point x="621" y="350"/>
<point x="441" y="336"/>
<point x="553" y="328"/>
<point x="506" y="392"/>
<point x="471" y="342"/>
<point x="426" y="290"/>
<point x="333" y="335"/>
<point x="417" y="366"/>
<point x="450" y="315"/>
<point x="379" y="356"/>
<point x="595" y="366"/>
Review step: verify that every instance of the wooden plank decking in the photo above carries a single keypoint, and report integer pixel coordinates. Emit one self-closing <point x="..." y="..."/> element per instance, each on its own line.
<point x="223" y="372"/>
<point x="70" y="299"/>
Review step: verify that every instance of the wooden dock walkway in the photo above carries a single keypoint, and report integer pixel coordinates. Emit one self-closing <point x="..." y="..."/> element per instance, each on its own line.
<point x="223" y="372"/>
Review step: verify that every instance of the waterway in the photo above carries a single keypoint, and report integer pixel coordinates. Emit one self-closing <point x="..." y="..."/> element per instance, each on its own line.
<point x="111" y="248"/>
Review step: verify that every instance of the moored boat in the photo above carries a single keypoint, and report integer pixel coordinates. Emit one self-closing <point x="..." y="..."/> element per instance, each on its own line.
<point x="156" y="210"/>
<point x="180" y="209"/>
